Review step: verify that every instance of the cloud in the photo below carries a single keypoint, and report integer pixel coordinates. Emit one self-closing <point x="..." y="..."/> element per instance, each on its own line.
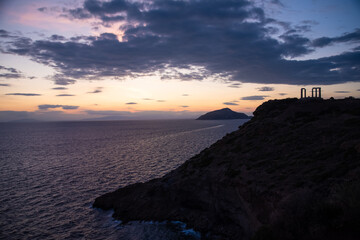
<point x="184" y="106"/>
<point x="59" y="88"/>
<point x="24" y="94"/>
<point x="56" y="37"/>
<point x="131" y="103"/>
<point x="161" y="101"/>
<point x="348" y="37"/>
<point x="255" y="97"/>
<point x="4" y="85"/>
<point x="283" y="94"/>
<point x="266" y="89"/>
<point x="147" y="99"/>
<point x="65" y="107"/>
<point x="230" y="103"/>
<point x="42" y="9"/>
<point x="9" y="73"/>
<point x="5" y="34"/>
<point x="277" y="2"/>
<point x="235" y="85"/>
<point x="358" y="90"/>
<point x="342" y="92"/>
<point x="62" y="79"/>
<point x="188" y="40"/>
<point x="97" y="90"/>
<point x="185" y="95"/>
<point x="65" y="95"/>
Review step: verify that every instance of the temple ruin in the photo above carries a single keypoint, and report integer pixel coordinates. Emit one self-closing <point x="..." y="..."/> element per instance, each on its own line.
<point x="315" y="93"/>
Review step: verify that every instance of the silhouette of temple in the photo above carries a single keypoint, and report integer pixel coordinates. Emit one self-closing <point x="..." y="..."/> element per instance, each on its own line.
<point x="315" y="93"/>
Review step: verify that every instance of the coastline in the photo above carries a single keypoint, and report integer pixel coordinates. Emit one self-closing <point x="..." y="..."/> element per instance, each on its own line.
<point x="247" y="184"/>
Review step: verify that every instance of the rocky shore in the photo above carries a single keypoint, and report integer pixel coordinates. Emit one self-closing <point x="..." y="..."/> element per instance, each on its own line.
<point x="291" y="172"/>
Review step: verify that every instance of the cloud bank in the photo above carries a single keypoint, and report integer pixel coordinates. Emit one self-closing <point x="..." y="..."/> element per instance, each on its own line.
<point x="230" y="103"/>
<point x="188" y="40"/>
<point x="255" y="97"/>
<point x="65" y="107"/>
<point x="266" y="89"/>
<point x="24" y="94"/>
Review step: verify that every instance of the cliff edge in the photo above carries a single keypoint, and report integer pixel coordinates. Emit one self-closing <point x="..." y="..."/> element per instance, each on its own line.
<point x="291" y="172"/>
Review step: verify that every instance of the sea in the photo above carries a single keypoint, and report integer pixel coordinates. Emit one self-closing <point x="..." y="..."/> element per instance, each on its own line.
<point x="51" y="173"/>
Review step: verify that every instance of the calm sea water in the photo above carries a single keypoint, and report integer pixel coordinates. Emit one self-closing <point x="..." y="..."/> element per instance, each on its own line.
<point x="50" y="173"/>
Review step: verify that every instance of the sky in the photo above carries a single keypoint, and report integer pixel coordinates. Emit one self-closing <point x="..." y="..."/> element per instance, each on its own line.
<point x="169" y="59"/>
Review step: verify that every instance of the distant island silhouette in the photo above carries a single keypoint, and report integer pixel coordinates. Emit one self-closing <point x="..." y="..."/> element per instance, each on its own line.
<point x="291" y="172"/>
<point x="223" y="114"/>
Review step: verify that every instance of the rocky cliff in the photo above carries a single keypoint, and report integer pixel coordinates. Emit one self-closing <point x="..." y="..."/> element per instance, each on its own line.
<point x="291" y="172"/>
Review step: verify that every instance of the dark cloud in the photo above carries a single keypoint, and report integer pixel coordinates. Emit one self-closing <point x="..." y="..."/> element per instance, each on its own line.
<point x="4" y="85"/>
<point x="255" y="97"/>
<point x="65" y="95"/>
<point x="131" y="103"/>
<point x="310" y="22"/>
<point x="56" y="37"/>
<point x="348" y="37"/>
<point x="65" y="107"/>
<point x="358" y="90"/>
<point x="42" y="9"/>
<point x="69" y="107"/>
<point x="47" y="106"/>
<point x="188" y="40"/>
<point x="230" y="103"/>
<point x="97" y="90"/>
<point x="59" y="88"/>
<point x="295" y="45"/>
<point x="184" y="106"/>
<point x="283" y="94"/>
<point x="9" y="73"/>
<point x="342" y="92"/>
<point x="277" y="2"/>
<point x="61" y="79"/>
<point x="235" y="85"/>
<point x="106" y="11"/>
<point x="266" y="89"/>
<point x="5" y="34"/>
<point x="24" y="94"/>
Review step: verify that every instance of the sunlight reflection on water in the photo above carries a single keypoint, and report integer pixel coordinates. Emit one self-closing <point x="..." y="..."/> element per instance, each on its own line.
<point x="52" y="172"/>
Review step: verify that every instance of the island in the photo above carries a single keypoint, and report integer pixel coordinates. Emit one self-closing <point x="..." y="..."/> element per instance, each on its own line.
<point x="223" y="114"/>
<point x="291" y="172"/>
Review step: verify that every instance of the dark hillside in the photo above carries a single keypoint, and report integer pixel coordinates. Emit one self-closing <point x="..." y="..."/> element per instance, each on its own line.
<point x="291" y="172"/>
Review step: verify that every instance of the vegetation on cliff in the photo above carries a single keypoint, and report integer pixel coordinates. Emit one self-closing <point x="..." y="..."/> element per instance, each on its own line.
<point x="291" y="172"/>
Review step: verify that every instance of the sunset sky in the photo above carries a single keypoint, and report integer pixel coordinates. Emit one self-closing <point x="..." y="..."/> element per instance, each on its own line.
<point x="160" y="59"/>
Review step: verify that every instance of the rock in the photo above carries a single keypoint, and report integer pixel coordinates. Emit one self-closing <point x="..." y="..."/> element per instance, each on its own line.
<point x="223" y="114"/>
<point x="291" y="172"/>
